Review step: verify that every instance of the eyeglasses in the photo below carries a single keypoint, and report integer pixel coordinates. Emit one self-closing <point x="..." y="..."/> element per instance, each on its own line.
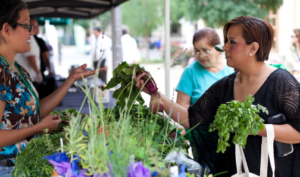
<point x="29" y="27"/>
<point x="197" y="53"/>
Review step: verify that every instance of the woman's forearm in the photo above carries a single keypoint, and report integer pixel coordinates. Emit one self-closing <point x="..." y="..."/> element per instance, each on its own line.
<point x="176" y="108"/>
<point x="9" y="137"/>
<point x="284" y="133"/>
<point x="51" y="101"/>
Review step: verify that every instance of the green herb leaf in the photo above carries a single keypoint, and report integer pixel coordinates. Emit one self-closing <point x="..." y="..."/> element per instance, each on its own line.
<point x="238" y="118"/>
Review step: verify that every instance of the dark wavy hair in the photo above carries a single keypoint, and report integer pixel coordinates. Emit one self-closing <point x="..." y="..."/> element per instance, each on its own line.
<point x="9" y="12"/>
<point x="209" y="33"/>
<point x="254" y="30"/>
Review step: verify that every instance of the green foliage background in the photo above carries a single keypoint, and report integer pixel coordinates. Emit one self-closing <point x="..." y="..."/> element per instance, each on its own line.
<point x="142" y="17"/>
<point x="217" y="13"/>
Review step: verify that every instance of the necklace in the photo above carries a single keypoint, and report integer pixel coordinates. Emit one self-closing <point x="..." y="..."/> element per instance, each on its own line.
<point x="26" y="83"/>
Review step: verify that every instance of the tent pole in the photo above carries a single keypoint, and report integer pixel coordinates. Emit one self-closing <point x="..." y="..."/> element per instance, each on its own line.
<point x="167" y="48"/>
<point x="116" y="36"/>
<point x="91" y="26"/>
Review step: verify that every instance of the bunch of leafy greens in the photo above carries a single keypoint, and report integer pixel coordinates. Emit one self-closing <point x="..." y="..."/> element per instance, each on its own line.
<point x="240" y="118"/>
<point x="123" y="75"/>
<point x="29" y="162"/>
<point x="65" y="116"/>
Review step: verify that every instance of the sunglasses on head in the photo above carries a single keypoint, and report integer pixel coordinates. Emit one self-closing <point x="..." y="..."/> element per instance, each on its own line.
<point x="29" y="27"/>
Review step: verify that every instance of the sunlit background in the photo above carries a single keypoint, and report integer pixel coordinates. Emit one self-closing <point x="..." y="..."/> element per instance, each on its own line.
<point x="69" y="37"/>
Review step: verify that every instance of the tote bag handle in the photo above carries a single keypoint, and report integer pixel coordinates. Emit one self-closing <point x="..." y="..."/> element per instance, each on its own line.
<point x="267" y="149"/>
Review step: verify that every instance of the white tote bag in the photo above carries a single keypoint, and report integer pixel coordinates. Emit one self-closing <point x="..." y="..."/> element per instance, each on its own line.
<point x="267" y="149"/>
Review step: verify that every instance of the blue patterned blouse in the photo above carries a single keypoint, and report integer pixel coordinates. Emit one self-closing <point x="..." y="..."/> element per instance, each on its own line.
<point x="20" y="110"/>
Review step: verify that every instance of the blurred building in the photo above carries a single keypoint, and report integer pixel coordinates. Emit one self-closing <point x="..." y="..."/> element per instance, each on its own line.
<point x="284" y="21"/>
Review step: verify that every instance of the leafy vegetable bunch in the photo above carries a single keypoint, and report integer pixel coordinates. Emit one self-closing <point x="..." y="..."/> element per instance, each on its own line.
<point x="65" y="116"/>
<point x="240" y="118"/>
<point x="123" y="75"/>
<point x="29" y="162"/>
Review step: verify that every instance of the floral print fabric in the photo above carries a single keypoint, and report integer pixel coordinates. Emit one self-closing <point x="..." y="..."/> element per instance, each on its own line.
<point x="20" y="110"/>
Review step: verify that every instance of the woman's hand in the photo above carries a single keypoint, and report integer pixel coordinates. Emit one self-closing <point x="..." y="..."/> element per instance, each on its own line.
<point x="262" y="132"/>
<point x="50" y="122"/>
<point x="140" y="83"/>
<point x="77" y="73"/>
<point x="182" y="132"/>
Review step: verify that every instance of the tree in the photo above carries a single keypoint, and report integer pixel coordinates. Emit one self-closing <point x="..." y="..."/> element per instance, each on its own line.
<point x="217" y="13"/>
<point x="142" y="17"/>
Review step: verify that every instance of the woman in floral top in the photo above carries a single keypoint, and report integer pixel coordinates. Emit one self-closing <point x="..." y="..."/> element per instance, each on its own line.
<point x="22" y="114"/>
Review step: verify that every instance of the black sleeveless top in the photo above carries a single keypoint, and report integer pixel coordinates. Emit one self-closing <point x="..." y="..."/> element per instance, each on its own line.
<point x="280" y="93"/>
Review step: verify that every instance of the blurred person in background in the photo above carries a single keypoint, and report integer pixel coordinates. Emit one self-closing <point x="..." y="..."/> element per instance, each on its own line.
<point x="129" y="47"/>
<point x="31" y="60"/>
<point x="44" y="53"/>
<point x="48" y="85"/>
<point x="296" y="43"/>
<point x="101" y="46"/>
<point x="209" y="67"/>
<point x="292" y="59"/>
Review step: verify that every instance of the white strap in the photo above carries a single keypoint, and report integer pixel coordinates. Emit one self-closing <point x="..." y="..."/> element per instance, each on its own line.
<point x="267" y="148"/>
<point x="238" y="160"/>
<point x="244" y="161"/>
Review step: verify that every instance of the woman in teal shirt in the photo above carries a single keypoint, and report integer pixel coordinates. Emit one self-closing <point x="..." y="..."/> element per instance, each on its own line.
<point x="209" y="67"/>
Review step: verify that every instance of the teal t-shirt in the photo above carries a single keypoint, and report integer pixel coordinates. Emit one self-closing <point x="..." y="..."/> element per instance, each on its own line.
<point x="195" y="80"/>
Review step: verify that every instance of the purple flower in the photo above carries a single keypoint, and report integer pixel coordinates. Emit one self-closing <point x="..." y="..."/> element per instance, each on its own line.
<point x="82" y="173"/>
<point x="63" y="168"/>
<point x="97" y="175"/>
<point x="138" y="170"/>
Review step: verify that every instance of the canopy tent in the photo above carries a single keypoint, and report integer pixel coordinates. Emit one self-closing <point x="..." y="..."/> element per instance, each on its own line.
<point x="54" y="20"/>
<point x="92" y="8"/>
<point x="70" y="8"/>
<point x="82" y="9"/>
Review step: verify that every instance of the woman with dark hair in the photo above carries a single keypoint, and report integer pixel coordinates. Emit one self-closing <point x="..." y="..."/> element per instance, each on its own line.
<point x="209" y="67"/>
<point x="248" y="41"/>
<point x="22" y="114"/>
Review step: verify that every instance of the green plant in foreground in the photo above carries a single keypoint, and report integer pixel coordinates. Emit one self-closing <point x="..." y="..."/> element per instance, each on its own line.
<point x="240" y="118"/>
<point x="29" y="161"/>
<point x="119" y="136"/>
